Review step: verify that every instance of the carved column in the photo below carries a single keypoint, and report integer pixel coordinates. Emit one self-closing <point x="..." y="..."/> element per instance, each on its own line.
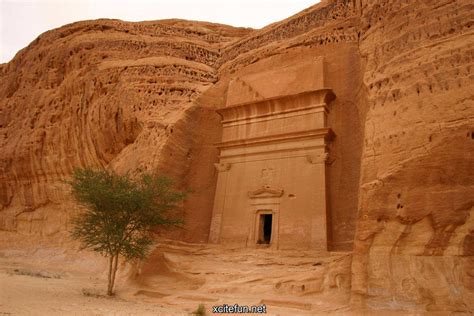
<point x="319" y="211"/>
<point x="219" y="202"/>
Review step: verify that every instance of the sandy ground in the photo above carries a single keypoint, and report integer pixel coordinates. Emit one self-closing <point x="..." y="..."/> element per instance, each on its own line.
<point x="176" y="279"/>
<point x="34" y="290"/>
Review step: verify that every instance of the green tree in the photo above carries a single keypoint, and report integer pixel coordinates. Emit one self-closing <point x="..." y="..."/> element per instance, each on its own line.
<point x="120" y="213"/>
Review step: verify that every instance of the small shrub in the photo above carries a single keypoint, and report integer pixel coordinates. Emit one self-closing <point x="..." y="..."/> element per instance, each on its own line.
<point x="121" y="213"/>
<point x="36" y="274"/>
<point x="92" y="293"/>
<point x="201" y="310"/>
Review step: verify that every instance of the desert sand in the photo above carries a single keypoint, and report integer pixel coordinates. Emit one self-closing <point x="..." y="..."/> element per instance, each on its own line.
<point x="56" y="281"/>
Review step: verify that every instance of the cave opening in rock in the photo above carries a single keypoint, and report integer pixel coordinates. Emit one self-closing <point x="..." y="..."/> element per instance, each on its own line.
<point x="265" y="233"/>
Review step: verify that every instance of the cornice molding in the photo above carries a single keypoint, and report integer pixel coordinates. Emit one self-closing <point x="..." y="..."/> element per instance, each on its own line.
<point x="325" y="133"/>
<point x="280" y="104"/>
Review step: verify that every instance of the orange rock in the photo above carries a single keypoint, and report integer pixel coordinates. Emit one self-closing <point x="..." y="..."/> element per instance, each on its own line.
<point x="143" y="96"/>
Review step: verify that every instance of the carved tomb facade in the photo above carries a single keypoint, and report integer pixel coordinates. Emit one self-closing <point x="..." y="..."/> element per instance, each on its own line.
<point x="271" y="186"/>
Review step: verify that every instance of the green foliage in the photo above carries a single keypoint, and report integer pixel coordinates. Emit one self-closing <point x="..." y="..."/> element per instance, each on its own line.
<point x="121" y="212"/>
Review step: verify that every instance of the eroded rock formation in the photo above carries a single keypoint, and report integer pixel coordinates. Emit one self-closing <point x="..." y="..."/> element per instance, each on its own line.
<point x="142" y="96"/>
<point x="417" y="176"/>
<point x="107" y="93"/>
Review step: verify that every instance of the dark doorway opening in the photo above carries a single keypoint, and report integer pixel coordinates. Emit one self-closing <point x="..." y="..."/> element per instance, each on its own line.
<point x="265" y="234"/>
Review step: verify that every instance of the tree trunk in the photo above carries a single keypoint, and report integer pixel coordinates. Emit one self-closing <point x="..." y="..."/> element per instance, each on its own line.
<point x="109" y="279"/>
<point x="114" y="271"/>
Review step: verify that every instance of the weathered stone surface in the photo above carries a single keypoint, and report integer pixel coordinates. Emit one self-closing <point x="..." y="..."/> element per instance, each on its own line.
<point x="138" y="96"/>
<point x="417" y="176"/>
<point x="112" y="94"/>
<point x="272" y="192"/>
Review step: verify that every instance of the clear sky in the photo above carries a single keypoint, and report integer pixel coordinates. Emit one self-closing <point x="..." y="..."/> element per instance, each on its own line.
<point x="21" y="21"/>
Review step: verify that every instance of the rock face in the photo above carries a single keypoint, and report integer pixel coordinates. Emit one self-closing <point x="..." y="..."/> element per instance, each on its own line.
<point x="142" y="96"/>
<point x="416" y="195"/>
<point x="111" y="94"/>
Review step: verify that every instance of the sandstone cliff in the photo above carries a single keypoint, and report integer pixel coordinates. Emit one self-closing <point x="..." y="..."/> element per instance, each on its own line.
<point x="141" y="96"/>
<point x="112" y="94"/>
<point x="414" y="225"/>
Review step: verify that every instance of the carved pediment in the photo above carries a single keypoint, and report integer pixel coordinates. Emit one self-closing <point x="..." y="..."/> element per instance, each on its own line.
<point x="264" y="192"/>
